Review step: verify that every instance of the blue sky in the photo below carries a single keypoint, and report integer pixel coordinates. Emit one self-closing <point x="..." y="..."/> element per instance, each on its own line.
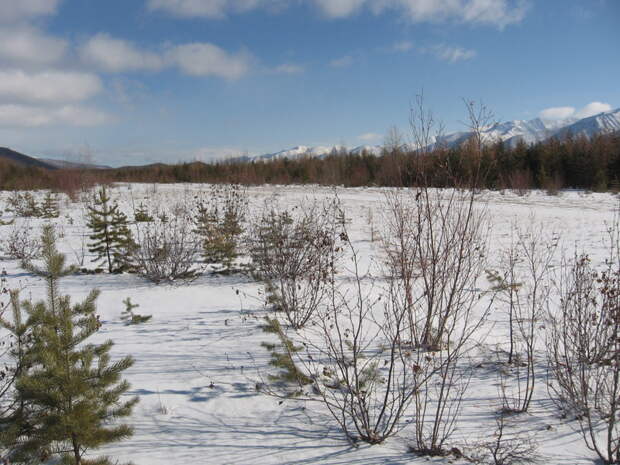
<point x="137" y="81"/>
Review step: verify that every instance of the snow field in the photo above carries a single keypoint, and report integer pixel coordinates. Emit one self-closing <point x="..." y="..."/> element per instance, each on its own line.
<point x="198" y="360"/>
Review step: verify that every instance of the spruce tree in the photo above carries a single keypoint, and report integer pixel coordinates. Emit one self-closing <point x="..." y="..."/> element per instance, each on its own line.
<point x="111" y="237"/>
<point x="73" y="390"/>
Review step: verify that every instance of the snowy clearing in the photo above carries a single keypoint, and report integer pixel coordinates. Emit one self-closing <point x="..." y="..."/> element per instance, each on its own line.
<point x="199" y="358"/>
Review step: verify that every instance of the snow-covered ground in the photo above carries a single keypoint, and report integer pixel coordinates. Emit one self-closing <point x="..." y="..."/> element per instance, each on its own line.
<point x="198" y="360"/>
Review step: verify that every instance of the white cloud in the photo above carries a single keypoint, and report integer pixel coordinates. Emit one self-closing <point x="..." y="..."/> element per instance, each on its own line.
<point x="453" y="54"/>
<point x="213" y="153"/>
<point x="343" y="62"/>
<point x="195" y="59"/>
<point x="116" y="55"/>
<point x="26" y="45"/>
<point x="12" y="11"/>
<point x="370" y="137"/>
<point x="36" y="116"/>
<point x="47" y="87"/>
<point x="81" y="116"/>
<point x="289" y="68"/>
<point x="556" y="113"/>
<point x="340" y="8"/>
<point x="204" y="59"/>
<point x="593" y="108"/>
<point x="495" y="12"/>
<point x="561" y="113"/>
<point x="190" y="8"/>
<point x="211" y="8"/>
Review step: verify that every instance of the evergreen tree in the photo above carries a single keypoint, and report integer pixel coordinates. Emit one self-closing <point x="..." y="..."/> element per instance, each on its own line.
<point x="73" y="390"/>
<point x="14" y="412"/>
<point x="111" y="235"/>
<point x="142" y="214"/>
<point x="122" y="241"/>
<point x="131" y="318"/>
<point x="49" y="207"/>
<point x="219" y="224"/>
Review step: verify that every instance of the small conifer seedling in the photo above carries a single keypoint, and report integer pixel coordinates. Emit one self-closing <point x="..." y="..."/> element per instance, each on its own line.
<point x="131" y="318"/>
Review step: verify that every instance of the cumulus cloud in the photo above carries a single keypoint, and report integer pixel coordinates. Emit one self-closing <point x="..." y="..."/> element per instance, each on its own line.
<point x="17" y="115"/>
<point x="593" y="108"/>
<point x="205" y="59"/>
<point x="555" y="113"/>
<point x="561" y="113"/>
<point x="28" y="46"/>
<point x="495" y="12"/>
<point x="47" y="87"/>
<point x="116" y="55"/>
<point x="12" y="11"/>
<point x="343" y="62"/>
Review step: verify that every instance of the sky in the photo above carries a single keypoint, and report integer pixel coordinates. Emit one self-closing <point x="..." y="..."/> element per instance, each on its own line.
<point x="128" y="82"/>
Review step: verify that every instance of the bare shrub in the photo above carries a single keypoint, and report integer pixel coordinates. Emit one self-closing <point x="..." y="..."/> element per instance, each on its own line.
<point x="436" y="243"/>
<point x="167" y="247"/>
<point x="80" y="252"/>
<point x="524" y="286"/>
<point x="370" y="377"/>
<point x="521" y="182"/>
<point x="507" y="449"/>
<point x="21" y="243"/>
<point x="292" y="253"/>
<point x="435" y="246"/>
<point x="584" y="348"/>
<point x="367" y="376"/>
<point x="353" y="359"/>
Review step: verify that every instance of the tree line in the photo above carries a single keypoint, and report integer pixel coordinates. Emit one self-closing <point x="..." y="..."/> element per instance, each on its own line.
<point x="572" y="162"/>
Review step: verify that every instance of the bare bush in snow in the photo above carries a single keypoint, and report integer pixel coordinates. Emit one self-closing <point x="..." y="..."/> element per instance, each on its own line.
<point x="167" y="248"/>
<point x="21" y="243"/>
<point x="507" y="448"/>
<point x="292" y="253"/>
<point x="524" y="286"/>
<point x="584" y="348"/>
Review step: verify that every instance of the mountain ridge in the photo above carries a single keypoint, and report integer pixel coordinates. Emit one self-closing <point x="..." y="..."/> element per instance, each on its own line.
<point x="510" y="132"/>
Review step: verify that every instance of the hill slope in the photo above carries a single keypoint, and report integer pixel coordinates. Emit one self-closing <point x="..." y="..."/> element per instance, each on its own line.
<point x="23" y="160"/>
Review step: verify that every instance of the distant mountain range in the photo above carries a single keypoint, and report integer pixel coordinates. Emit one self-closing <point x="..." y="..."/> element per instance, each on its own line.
<point x="63" y="164"/>
<point x="509" y="132"/>
<point x="46" y="163"/>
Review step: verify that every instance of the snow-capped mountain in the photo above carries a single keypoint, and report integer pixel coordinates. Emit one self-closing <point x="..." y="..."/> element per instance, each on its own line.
<point x="603" y="123"/>
<point x="510" y="132"/>
<point x="302" y="151"/>
<point x="369" y="149"/>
